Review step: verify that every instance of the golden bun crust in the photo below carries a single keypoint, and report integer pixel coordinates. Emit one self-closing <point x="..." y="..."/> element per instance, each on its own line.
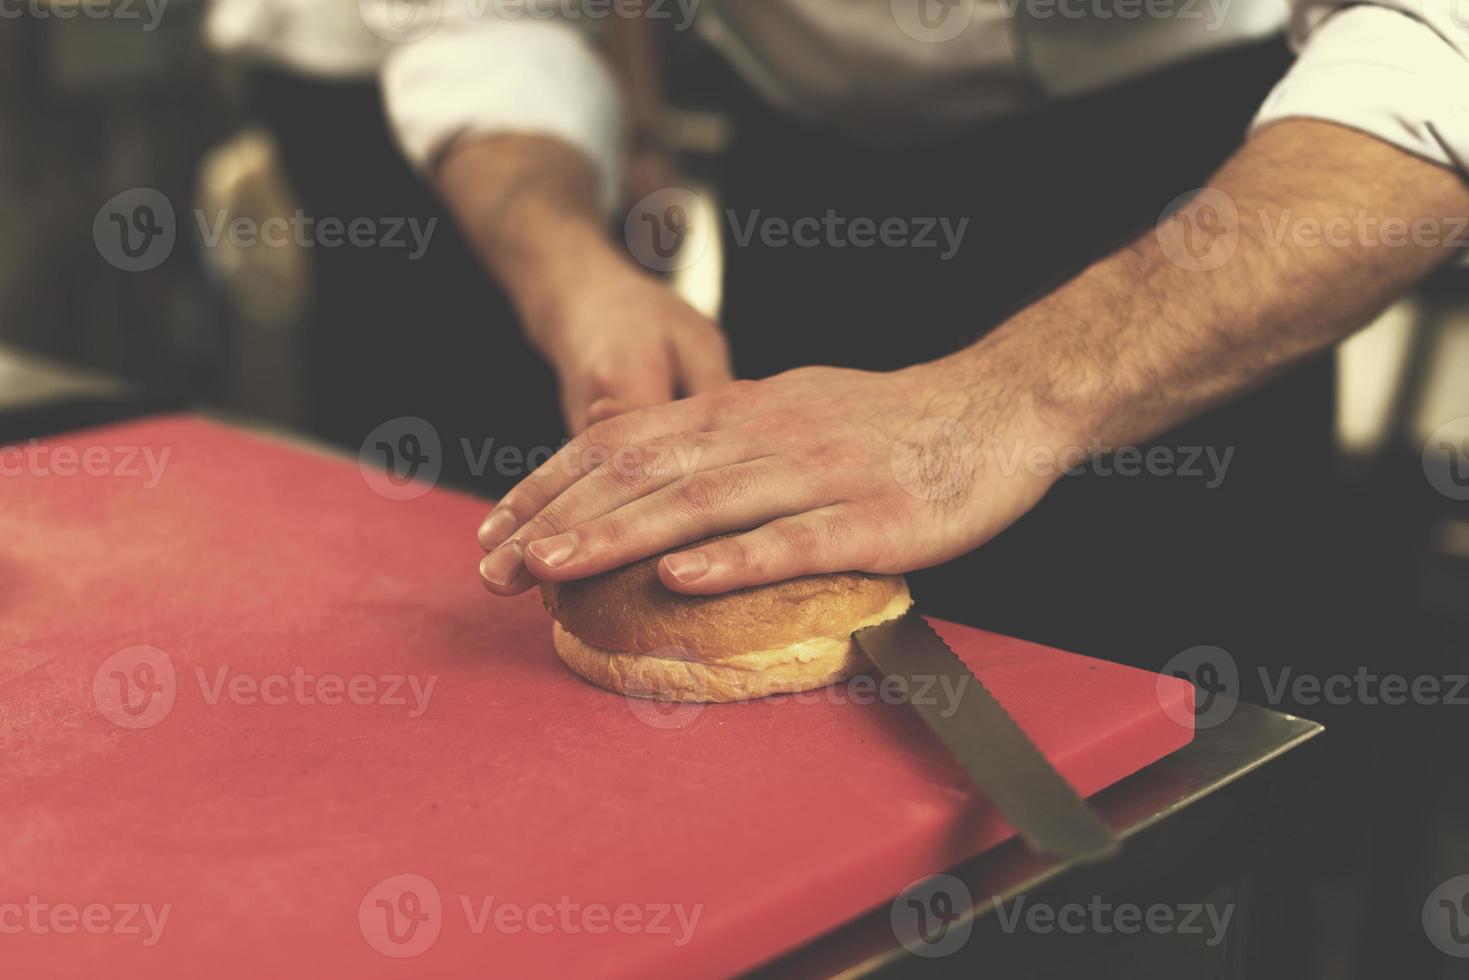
<point x="668" y="675"/>
<point x="629" y="610"/>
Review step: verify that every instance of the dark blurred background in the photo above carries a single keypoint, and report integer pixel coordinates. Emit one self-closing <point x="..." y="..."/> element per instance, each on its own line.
<point x="92" y="106"/>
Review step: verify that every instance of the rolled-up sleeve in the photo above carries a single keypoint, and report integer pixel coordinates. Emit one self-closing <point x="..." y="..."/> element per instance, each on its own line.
<point x="474" y="71"/>
<point x="1397" y="70"/>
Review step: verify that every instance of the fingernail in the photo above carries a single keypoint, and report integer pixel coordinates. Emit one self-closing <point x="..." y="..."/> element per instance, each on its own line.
<point x="501" y="566"/>
<point x="687" y="566"/>
<point x="496" y="528"/>
<point x="554" y="550"/>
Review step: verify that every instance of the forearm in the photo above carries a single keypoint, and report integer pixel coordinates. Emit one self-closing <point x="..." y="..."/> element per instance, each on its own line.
<point x="616" y="337"/>
<point x="1138" y="342"/>
<point x="528" y="205"/>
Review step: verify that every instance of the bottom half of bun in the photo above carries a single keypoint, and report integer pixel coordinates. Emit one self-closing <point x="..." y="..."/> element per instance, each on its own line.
<point x="675" y="675"/>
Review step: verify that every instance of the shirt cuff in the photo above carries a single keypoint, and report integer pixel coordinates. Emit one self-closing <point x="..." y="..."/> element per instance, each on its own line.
<point x="1387" y="74"/>
<point x="486" y="77"/>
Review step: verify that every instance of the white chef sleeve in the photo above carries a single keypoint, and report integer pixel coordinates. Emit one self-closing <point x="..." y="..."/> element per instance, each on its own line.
<point x="1395" y="69"/>
<point x="482" y="67"/>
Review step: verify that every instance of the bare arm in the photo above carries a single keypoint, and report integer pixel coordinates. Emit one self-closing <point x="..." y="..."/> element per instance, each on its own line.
<point x="839" y="470"/>
<point x="1151" y="336"/>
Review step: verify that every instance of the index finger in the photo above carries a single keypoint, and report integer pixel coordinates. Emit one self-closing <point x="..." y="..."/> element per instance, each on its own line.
<point x="579" y="457"/>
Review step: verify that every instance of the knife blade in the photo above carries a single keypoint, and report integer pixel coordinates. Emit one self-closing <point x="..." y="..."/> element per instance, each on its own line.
<point x="1001" y="759"/>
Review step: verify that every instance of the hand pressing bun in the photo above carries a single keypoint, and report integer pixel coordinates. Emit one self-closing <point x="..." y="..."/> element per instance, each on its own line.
<point x="625" y="631"/>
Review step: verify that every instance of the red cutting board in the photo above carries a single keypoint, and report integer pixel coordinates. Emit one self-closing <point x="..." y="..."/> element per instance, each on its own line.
<point x="273" y="826"/>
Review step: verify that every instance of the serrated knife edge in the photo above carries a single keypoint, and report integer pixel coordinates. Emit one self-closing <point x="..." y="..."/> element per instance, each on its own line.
<point x="988" y="743"/>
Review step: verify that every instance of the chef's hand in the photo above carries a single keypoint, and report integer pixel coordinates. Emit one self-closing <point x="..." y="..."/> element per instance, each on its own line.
<point x="617" y="337"/>
<point x="833" y="469"/>
<point x="623" y="340"/>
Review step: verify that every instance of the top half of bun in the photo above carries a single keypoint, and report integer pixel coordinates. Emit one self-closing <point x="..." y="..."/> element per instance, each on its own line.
<point x="629" y="609"/>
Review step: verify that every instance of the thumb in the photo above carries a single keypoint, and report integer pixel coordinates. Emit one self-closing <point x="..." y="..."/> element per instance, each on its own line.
<point x="634" y="382"/>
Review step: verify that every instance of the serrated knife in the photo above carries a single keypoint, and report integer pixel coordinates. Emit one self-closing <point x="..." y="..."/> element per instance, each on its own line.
<point x="1001" y="759"/>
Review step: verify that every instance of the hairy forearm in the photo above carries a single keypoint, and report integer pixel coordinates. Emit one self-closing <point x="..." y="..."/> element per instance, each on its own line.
<point x="528" y="206"/>
<point x="1332" y="226"/>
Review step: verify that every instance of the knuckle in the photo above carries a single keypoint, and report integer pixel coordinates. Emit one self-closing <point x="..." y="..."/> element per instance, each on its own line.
<point x="603" y="436"/>
<point x="797" y="538"/>
<point x="815" y="536"/>
<point x="733" y="399"/>
<point x="737" y="555"/>
<point x="628" y="470"/>
<point x="698" y="494"/>
<point x="609" y="532"/>
<point x="702" y="493"/>
<point x="603" y="375"/>
<point x="543" y="525"/>
<point x="626" y="465"/>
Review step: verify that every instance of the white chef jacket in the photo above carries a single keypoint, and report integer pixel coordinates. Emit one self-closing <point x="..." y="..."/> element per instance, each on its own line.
<point x="879" y="69"/>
